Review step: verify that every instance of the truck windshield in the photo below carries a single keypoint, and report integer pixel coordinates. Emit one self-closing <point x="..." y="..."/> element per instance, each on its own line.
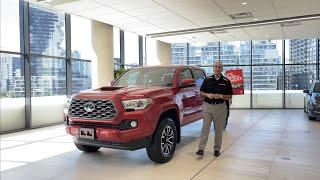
<point x="316" y="88"/>
<point x="159" y="76"/>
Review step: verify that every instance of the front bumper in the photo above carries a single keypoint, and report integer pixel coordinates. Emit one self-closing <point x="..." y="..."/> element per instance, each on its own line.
<point x="131" y="145"/>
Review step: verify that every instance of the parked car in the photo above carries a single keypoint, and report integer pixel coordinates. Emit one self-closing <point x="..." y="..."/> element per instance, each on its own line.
<point x="312" y="101"/>
<point x="144" y="108"/>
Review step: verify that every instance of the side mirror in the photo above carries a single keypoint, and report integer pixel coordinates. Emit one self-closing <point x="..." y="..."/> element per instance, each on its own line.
<point x="306" y="91"/>
<point x="111" y="83"/>
<point x="187" y="83"/>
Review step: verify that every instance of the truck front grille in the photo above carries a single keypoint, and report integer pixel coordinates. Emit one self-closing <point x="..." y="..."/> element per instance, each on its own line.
<point x="95" y="109"/>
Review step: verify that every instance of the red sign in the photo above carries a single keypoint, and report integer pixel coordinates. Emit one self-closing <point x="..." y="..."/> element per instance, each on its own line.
<point x="236" y="78"/>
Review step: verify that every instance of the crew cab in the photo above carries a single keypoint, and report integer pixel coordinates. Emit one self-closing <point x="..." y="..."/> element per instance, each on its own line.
<point x="144" y="108"/>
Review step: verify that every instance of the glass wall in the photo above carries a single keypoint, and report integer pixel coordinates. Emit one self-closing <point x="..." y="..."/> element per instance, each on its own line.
<point x="301" y="69"/>
<point x="81" y="75"/>
<point x="267" y="86"/>
<point x="12" y="85"/>
<point x="131" y="46"/>
<point x="48" y="63"/>
<point x="48" y="75"/>
<point x="82" y="54"/>
<point x="275" y="71"/>
<point x="47" y="32"/>
<point x="11" y="29"/>
<point x="12" y="97"/>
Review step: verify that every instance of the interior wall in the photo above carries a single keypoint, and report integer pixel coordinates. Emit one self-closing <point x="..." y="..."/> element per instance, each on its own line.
<point x="158" y="52"/>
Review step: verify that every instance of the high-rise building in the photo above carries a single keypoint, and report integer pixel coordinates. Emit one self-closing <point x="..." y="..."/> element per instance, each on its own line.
<point x="264" y="52"/>
<point x="301" y="51"/>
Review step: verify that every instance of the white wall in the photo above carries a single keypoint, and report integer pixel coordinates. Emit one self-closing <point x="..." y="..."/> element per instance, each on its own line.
<point x="12" y="113"/>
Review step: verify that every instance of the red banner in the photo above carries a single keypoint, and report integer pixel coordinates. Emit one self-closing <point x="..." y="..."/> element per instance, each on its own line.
<point x="236" y="78"/>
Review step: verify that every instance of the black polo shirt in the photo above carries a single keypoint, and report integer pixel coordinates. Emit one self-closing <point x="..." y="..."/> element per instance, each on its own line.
<point x="220" y="86"/>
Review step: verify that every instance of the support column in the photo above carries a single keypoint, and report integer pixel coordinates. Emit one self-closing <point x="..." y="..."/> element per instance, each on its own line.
<point x="102" y="43"/>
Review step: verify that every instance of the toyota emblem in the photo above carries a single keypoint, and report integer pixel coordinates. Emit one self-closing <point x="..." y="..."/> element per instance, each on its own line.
<point x="89" y="106"/>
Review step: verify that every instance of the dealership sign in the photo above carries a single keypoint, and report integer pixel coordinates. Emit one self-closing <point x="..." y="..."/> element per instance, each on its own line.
<point x="236" y="78"/>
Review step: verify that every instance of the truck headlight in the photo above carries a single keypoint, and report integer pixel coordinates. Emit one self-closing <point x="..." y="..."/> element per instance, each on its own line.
<point x="66" y="108"/>
<point x="136" y="104"/>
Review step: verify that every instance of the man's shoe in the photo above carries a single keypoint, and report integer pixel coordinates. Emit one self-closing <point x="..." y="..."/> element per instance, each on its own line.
<point x="200" y="152"/>
<point x="216" y="153"/>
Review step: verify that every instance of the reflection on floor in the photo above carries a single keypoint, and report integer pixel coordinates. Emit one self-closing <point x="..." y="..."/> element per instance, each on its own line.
<point x="257" y="144"/>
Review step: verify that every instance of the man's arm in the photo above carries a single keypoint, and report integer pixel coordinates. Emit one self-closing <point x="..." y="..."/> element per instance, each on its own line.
<point x="208" y="95"/>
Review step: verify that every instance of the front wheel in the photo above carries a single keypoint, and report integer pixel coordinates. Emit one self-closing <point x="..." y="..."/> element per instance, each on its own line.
<point x="163" y="143"/>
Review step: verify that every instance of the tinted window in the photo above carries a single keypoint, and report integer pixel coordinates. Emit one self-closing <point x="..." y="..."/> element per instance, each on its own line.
<point x="147" y="77"/>
<point x="185" y="74"/>
<point x="199" y="76"/>
<point x="316" y="88"/>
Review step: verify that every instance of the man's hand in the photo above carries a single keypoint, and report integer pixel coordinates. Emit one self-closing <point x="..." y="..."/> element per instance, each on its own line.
<point x="213" y="96"/>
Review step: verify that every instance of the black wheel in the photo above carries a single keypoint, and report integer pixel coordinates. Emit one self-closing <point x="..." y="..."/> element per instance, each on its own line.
<point x="86" y="148"/>
<point x="163" y="144"/>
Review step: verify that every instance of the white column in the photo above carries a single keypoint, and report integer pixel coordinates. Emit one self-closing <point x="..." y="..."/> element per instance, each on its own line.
<point x="102" y="43"/>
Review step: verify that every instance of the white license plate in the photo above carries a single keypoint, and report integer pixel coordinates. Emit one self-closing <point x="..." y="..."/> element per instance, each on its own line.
<point x="86" y="133"/>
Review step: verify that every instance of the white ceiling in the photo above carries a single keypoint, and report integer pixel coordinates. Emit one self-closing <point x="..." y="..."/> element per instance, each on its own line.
<point x="155" y="16"/>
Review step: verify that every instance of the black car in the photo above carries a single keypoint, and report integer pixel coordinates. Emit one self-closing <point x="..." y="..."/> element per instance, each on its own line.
<point x="312" y="101"/>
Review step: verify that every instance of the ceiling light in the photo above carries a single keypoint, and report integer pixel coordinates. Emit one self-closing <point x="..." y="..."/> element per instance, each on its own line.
<point x="255" y="19"/>
<point x="241" y="15"/>
<point x="261" y="27"/>
<point x="290" y="23"/>
<point x="244" y="3"/>
<point x="267" y="35"/>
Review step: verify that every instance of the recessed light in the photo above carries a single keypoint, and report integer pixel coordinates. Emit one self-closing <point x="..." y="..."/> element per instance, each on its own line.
<point x="267" y="35"/>
<point x="261" y="27"/>
<point x="255" y="19"/>
<point x="244" y="3"/>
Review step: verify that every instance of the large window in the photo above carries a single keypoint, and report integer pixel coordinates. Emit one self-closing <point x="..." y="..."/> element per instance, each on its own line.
<point x="11" y="37"/>
<point x="131" y="46"/>
<point x="116" y="47"/>
<point x="267" y="84"/>
<point x="12" y="87"/>
<point x="82" y="53"/>
<point x="235" y="53"/>
<point x="301" y="72"/>
<point x="47" y="32"/>
<point x="178" y="53"/>
<point x="280" y="69"/>
<point x="81" y="75"/>
<point x="81" y="41"/>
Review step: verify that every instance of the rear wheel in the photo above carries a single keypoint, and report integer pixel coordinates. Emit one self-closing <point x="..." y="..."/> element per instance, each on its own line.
<point x="162" y="146"/>
<point x="86" y="148"/>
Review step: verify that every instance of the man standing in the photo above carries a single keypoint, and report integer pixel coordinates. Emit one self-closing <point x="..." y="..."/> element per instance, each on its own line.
<point x="215" y="89"/>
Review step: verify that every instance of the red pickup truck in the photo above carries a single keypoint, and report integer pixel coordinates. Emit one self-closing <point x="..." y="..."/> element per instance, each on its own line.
<point x="144" y="108"/>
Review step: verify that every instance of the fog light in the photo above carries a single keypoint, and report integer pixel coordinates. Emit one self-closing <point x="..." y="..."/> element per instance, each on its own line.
<point x="133" y="124"/>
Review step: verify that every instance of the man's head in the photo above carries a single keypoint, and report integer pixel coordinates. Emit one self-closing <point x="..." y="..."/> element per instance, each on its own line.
<point x="217" y="68"/>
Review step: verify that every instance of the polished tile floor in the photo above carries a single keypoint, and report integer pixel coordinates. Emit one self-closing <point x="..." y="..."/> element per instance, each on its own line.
<point x="257" y="144"/>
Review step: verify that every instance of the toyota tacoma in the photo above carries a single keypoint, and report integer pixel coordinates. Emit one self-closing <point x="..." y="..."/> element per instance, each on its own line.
<point x="144" y="108"/>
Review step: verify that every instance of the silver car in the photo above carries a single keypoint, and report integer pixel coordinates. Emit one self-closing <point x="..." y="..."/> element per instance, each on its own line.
<point x="312" y="101"/>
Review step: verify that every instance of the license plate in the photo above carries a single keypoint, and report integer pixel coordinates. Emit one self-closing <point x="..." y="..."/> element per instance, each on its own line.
<point x="86" y="133"/>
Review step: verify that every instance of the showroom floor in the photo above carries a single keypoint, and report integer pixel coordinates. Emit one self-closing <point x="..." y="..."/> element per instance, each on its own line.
<point x="258" y="144"/>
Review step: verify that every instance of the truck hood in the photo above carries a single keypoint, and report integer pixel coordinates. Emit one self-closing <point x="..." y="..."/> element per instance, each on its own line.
<point x="124" y="92"/>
